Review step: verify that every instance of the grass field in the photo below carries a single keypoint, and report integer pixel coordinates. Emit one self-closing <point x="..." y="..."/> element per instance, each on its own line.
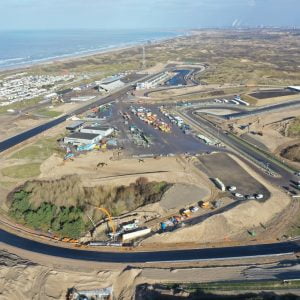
<point x="20" y="105"/>
<point x="6" y="184"/>
<point x="41" y="150"/>
<point x="22" y="171"/>
<point x="48" y="113"/>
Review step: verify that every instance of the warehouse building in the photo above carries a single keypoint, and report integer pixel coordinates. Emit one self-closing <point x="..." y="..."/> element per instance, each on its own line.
<point x="75" y="126"/>
<point x="79" y="138"/>
<point x="101" y="130"/>
<point x="109" y="84"/>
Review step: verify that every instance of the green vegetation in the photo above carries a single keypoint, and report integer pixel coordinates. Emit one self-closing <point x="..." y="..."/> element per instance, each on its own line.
<point x="69" y="191"/>
<point x="20" y="105"/>
<point x="40" y="150"/>
<point x="294" y="128"/>
<point x="64" y="221"/>
<point x="22" y="171"/>
<point x="59" y="205"/>
<point x="48" y="113"/>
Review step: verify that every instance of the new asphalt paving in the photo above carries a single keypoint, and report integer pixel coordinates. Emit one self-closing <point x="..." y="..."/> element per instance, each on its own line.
<point x="150" y="256"/>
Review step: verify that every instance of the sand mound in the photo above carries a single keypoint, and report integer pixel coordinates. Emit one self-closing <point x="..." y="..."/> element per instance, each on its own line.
<point x="22" y="279"/>
<point x="183" y="195"/>
<point x="228" y="224"/>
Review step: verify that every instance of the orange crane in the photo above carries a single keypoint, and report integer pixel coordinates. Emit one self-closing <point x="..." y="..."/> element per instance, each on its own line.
<point x="110" y="221"/>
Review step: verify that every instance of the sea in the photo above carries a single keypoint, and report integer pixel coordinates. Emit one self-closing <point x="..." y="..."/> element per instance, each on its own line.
<point x="23" y="48"/>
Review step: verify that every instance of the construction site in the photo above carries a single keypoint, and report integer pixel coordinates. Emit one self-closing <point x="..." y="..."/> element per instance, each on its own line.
<point x="150" y="175"/>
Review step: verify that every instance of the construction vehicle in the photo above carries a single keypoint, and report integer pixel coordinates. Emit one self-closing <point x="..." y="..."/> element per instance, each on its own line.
<point x="110" y="221"/>
<point x="205" y="205"/>
<point x="186" y="213"/>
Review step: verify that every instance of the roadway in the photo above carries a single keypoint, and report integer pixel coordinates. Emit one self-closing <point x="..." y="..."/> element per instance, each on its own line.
<point x="289" y="247"/>
<point x="244" y="150"/>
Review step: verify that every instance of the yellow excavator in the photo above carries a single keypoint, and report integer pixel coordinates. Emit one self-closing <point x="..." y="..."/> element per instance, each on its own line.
<point x="110" y="221"/>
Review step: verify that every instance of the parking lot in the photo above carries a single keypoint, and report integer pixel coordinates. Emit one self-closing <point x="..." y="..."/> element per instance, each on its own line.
<point x="221" y="166"/>
<point x="159" y="142"/>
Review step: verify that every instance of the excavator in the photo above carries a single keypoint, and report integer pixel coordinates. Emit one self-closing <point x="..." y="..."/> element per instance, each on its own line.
<point x="110" y="221"/>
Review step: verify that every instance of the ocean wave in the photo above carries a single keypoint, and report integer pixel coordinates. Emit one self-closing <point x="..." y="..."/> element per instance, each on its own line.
<point x="8" y="60"/>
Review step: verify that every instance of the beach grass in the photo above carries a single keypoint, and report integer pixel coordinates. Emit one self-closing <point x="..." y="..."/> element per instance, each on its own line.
<point x="22" y="171"/>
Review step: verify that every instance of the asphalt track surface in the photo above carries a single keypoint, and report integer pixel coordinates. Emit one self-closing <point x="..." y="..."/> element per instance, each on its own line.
<point x="153" y="256"/>
<point x="262" y="110"/>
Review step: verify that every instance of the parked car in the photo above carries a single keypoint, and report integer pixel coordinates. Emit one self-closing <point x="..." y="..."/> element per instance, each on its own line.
<point x="232" y="188"/>
<point x="238" y="195"/>
<point x="259" y="196"/>
<point x="194" y="208"/>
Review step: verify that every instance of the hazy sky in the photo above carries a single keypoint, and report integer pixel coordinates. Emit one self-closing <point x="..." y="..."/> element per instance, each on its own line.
<point x="50" y="14"/>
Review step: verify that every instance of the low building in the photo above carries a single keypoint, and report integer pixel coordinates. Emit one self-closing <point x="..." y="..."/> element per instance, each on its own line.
<point x="294" y="88"/>
<point x="75" y="126"/>
<point x="79" y="138"/>
<point x="102" y="130"/>
<point x="109" y="84"/>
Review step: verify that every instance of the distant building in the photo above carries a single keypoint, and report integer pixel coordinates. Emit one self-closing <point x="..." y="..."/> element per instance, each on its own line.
<point x="294" y="88"/>
<point x="111" y="83"/>
<point x="79" y="138"/>
<point x="110" y="86"/>
<point x="102" y="130"/>
<point x="153" y="82"/>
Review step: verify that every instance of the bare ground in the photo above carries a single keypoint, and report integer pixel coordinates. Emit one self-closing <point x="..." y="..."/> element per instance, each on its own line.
<point x="48" y="279"/>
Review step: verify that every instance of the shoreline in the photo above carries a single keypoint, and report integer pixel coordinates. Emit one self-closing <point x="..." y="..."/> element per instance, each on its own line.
<point x="71" y="57"/>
